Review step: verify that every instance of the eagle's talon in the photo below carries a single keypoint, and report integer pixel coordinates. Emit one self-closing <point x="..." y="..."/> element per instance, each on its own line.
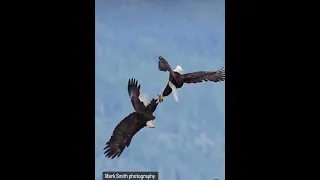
<point x="160" y="98"/>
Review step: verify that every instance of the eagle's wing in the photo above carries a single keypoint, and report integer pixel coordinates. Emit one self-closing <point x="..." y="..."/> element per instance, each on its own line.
<point x="200" y="76"/>
<point x="122" y="135"/>
<point x="152" y="106"/>
<point x="134" y="93"/>
<point x="163" y="65"/>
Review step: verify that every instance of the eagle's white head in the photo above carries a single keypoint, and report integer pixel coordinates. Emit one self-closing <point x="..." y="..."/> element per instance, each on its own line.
<point x="178" y="69"/>
<point x="144" y="98"/>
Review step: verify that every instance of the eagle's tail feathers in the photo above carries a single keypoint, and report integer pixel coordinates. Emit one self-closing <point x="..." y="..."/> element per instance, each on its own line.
<point x="174" y="92"/>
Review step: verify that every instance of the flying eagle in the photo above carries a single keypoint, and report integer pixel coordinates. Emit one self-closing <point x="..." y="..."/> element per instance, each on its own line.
<point x="130" y="125"/>
<point x="177" y="79"/>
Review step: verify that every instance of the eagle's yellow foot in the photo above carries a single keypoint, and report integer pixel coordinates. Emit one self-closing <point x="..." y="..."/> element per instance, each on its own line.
<point x="160" y="98"/>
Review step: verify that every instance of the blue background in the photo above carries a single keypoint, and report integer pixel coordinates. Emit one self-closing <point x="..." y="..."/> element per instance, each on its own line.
<point x="188" y="141"/>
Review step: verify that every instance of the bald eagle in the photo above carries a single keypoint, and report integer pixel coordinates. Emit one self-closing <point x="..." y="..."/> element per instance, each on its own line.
<point x="177" y="79"/>
<point x="130" y="125"/>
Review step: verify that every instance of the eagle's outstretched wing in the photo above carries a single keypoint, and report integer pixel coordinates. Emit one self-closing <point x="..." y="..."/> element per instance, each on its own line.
<point x="122" y="135"/>
<point x="152" y="106"/>
<point x="163" y="65"/>
<point x="200" y="76"/>
<point x="134" y="93"/>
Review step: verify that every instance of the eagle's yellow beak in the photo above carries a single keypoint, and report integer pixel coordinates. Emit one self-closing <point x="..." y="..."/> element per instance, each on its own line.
<point x="160" y="98"/>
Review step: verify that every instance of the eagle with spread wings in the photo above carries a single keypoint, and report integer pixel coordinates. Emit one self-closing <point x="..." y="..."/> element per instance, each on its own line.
<point x="134" y="122"/>
<point x="177" y="79"/>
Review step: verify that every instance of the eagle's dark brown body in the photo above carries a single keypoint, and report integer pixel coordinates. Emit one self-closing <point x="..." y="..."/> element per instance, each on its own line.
<point x="178" y="83"/>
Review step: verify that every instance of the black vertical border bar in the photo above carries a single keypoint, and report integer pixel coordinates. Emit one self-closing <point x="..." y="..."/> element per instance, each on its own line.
<point x="232" y="127"/>
<point x="240" y="78"/>
<point x="85" y="85"/>
<point x="54" y="123"/>
<point x="80" y="115"/>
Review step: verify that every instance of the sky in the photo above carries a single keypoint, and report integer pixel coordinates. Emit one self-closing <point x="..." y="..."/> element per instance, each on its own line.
<point x="188" y="140"/>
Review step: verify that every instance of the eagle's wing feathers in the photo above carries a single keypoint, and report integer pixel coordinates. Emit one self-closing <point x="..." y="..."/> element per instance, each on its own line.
<point x="200" y="76"/>
<point x="122" y="135"/>
<point x="134" y="93"/>
<point x="152" y="106"/>
<point x="163" y="65"/>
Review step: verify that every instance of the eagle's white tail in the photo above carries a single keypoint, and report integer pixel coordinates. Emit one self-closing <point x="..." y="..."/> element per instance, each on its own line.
<point x="144" y="98"/>
<point x="150" y="124"/>
<point x="174" y="92"/>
